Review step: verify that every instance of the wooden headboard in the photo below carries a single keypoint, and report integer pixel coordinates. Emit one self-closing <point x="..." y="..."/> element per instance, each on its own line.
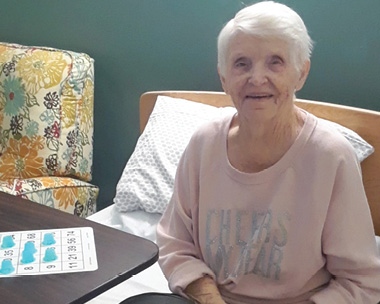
<point x="364" y="122"/>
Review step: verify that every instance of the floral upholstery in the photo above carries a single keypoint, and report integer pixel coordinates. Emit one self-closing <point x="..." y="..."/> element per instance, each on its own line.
<point x="67" y="194"/>
<point x="46" y="126"/>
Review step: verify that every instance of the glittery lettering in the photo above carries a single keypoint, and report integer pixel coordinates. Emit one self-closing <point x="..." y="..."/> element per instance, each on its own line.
<point x="222" y="260"/>
<point x="225" y="226"/>
<point x="209" y="240"/>
<point x="239" y="241"/>
<point x="274" y="264"/>
<point x="245" y="243"/>
<point x="260" y="263"/>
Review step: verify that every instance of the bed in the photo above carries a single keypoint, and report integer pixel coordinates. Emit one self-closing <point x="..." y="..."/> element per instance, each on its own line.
<point x="167" y="121"/>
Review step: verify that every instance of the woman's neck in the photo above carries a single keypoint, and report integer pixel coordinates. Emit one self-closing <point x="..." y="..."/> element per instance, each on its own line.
<point x="257" y="146"/>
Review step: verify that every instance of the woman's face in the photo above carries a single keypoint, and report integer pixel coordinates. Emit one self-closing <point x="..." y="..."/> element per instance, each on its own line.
<point x="260" y="77"/>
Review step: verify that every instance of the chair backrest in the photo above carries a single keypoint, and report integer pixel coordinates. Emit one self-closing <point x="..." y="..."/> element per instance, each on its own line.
<point x="46" y="112"/>
<point x="364" y="122"/>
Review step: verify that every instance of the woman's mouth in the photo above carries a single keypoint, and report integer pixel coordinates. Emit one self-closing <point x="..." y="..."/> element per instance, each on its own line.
<point x="259" y="97"/>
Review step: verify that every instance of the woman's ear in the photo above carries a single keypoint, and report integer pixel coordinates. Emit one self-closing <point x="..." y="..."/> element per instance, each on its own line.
<point x="303" y="75"/>
<point x="223" y="81"/>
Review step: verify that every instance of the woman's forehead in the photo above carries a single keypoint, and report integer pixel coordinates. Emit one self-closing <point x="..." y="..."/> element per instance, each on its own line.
<point x="245" y="45"/>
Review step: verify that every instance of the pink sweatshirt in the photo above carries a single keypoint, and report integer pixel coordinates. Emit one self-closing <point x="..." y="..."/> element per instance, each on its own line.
<point x="297" y="232"/>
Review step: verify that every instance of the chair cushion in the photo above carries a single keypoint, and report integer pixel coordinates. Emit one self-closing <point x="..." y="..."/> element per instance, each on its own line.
<point x="46" y="112"/>
<point x="67" y="194"/>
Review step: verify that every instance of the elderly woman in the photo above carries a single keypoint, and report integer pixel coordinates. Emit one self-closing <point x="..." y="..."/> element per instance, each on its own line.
<point x="268" y="204"/>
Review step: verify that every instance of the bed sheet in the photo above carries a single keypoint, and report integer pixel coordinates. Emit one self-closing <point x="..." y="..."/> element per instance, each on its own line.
<point x="137" y="222"/>
<point x="152" y="279"/>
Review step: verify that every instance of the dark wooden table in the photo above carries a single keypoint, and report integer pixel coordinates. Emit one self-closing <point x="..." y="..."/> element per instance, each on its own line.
<point x="120" y="255"/>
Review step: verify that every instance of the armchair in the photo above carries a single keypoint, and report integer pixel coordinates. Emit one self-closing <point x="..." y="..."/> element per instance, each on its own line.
<point x="46" y="127"/>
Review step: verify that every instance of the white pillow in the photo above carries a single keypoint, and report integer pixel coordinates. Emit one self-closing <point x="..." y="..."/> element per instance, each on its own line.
<point x="148" y="178"/>
<point x="361" y="147"/>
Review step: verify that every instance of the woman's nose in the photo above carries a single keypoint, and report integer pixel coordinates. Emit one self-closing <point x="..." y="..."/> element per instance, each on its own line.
<point x="258" y="76"/>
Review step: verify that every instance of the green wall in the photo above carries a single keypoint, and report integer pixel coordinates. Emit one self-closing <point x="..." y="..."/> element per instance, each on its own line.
<point x="142" y="45"/>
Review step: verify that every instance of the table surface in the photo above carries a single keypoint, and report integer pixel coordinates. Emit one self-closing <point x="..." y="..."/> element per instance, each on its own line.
<point x="120" y="255"/>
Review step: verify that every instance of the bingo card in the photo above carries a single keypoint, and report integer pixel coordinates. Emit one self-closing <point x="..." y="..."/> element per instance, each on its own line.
<point x="37" y="252"/>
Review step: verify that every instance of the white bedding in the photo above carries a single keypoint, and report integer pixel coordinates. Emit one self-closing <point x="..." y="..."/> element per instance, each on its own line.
<point x="143" y="224"/>
<point x="152" y="279"/>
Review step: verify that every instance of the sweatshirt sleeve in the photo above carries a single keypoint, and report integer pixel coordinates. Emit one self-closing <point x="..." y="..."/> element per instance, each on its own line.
<point x="177" y="230"/>
<point x="348" y="242"/>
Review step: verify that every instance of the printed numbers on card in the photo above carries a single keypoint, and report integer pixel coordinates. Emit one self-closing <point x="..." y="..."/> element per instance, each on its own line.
<point x="70" y="233"/>
<point x="73" y="265"/>
<point x="30" y="236"/>
<point x="71" y="257"/>
<point x="72" y="248"/>
<point x="71" y="241"/>
<point x="8" y="253"/>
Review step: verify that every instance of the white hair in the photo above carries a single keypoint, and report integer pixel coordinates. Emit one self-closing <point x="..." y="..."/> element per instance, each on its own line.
<point x="268" y="19"/>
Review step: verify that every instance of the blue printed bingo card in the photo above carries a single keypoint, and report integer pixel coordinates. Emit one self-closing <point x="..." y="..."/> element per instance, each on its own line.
<point x="37" y="252"/>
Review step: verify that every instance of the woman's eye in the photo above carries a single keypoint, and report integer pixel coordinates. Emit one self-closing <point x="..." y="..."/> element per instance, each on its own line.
<point x="240" y="64"/>
<point x="276" y="61"/>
